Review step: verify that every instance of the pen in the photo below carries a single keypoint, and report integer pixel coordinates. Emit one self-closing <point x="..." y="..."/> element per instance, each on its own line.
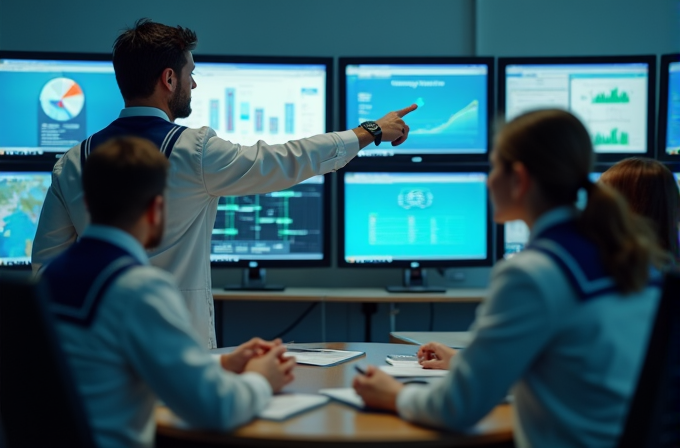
<point x="360" y="369"/>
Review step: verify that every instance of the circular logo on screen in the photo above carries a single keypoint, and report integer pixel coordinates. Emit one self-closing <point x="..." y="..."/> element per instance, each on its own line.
<point x="62" y="99"/>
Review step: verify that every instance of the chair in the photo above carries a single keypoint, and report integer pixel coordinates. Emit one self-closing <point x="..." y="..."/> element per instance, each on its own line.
<point x="654" y="417"/>
<point x="39" y="404"/>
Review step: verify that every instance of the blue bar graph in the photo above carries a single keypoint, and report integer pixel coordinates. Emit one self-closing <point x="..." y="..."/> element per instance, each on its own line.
<point x="274" y="125"/>
<point x="290" y="118"/>
<point x="230" y="110"/>
<point x="245" y="111"/>
<point x="259" y="120"/>
<point x="214" y="114"/>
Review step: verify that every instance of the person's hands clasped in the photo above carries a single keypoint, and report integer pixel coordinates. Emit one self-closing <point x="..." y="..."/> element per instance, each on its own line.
<point x="377" y="389"/>
<point x="236" y="361"/>
<point x="393" y="127"/>
<point x="434" y="355"/>
<point x="276" y="369"/>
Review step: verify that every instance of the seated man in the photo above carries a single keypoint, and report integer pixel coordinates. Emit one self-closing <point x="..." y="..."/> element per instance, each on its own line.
<point x="124" y="325"/>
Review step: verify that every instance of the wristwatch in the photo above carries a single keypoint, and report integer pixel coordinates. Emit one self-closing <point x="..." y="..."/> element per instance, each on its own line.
<point x="374" y="129"/>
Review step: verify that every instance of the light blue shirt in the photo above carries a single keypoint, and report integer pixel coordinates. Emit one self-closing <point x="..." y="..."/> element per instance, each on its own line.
<point x="141" y="347"/>
<point x="572" y="365"/>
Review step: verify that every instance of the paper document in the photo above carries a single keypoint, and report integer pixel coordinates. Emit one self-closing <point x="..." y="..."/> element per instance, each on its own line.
<point x="287" y="405"/>
<point x="321" y="357"/>
<point x="345" y="395"/>
<point x="410" y="372"/>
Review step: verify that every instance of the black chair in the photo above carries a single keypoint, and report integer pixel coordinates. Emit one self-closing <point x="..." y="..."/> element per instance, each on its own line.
<point x="39" y="404"/>
<point x="654" y="417"/>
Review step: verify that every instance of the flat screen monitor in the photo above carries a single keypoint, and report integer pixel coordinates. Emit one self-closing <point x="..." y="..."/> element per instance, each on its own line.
<point x="613" y="96"/>
<point x="669" y="108"/>
<point x="398" y="217"/>
<point x="513" y="236"/>
<point x="22" y="193"/>
<point x="454" y="98"/>
<point x="53" y="101"/>
<point x="247" y="99"/>
<point x="282" y="229"/>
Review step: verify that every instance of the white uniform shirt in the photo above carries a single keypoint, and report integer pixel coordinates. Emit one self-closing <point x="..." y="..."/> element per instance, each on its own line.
<point x="574" y="365"/>
<point x="203" y="168"/>
<point x="141" y="347"/>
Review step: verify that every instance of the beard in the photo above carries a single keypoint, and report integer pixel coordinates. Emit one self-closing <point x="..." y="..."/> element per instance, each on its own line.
<point x="180" y="103"/>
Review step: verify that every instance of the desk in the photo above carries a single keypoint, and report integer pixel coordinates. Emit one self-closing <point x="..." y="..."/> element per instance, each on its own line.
<point x="339" y="425"/>
<point x="367" y="296"/>
<point x="455" y="339"/>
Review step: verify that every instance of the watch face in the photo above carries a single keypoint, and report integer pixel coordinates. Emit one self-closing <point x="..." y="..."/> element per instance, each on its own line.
<point x="370" y="126"/>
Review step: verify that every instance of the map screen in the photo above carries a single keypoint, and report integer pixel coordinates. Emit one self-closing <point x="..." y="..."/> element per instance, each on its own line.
<point x="21" y="198"/>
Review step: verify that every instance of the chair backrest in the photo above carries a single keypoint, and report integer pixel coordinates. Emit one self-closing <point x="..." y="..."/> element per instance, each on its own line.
<point x="39" y="404"/>
<point x="654" y="417"/>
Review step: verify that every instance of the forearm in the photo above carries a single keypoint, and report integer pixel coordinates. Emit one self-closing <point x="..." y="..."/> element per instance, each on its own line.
<point x="365" y="137"/>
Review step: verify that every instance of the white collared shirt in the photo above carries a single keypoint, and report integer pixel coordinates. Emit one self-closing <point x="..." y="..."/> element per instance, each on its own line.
<point x="203" y="167"/>
<point x="141" y="347"/>
<point x="572" y="365"/>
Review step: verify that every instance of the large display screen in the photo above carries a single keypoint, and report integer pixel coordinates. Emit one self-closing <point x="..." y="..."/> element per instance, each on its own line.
<point x="284" y="226"/>
<point x="673" y="111"/>
<point x="246" y="102"/>
<point x="420" y="217"/>
<point x="452" y="115"/>
<point x="21" y="199"/>
<point x="612" y="99"/>
<point x="48" y="106"/>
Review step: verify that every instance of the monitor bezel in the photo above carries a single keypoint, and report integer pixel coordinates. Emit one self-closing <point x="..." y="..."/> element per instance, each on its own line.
<point x="499" y="250"/>
<point x="281" y="60"/>
<point x="412" y="168"/>
<point x="48" y="56"/>
<point x="325" y="261"/>
<point x="664" y="79"/>
<point x="650" y="60"/>
<point x="343" y="62"/>
<point x="34" y="166"/>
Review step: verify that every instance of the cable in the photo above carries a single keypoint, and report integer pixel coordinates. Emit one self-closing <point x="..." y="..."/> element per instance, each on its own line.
<point x="297" y="321"/>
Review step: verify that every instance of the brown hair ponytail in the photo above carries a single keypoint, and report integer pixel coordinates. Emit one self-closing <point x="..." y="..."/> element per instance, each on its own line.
<point x="557" y="151"/>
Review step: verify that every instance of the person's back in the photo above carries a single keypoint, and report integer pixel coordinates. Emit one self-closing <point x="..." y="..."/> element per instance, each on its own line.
<point x="123" y="324"/>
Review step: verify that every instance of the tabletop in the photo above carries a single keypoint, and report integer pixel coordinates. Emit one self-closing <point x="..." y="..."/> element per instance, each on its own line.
<point x="337" y="424"/>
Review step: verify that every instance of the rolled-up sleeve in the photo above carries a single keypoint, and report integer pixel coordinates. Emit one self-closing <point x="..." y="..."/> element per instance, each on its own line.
<point x="232" y="169"/>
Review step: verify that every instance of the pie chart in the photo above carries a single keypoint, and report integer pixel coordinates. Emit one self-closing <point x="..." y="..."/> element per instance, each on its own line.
<point x="62" y="99"/>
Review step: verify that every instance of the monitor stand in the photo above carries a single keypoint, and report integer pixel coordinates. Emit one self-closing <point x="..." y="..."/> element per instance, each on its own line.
<point x="415" y="281"/>
<point x="254" y="279"/>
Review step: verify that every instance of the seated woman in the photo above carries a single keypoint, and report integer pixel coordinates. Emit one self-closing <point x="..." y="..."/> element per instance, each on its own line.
<point x="651" y="191"/>
<point x="550" y="328"/>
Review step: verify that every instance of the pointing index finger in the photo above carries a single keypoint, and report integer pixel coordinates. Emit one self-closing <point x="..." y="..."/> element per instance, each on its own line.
<point x="407" y="110"/>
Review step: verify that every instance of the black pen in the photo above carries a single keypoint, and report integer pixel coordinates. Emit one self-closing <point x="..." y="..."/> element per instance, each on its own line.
<point x="360" y="369"/>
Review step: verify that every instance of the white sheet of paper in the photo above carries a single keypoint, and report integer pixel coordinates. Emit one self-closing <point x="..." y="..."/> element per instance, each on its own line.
<point x="410" y="372"/>
<point x="323" y="357"/>
<point x="346" y="395"/>
<point x="286" y="405"/>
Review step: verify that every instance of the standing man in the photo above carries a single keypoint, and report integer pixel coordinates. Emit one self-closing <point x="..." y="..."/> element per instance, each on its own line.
<point x="123" y="324"/>
<point x="153" y="65"/>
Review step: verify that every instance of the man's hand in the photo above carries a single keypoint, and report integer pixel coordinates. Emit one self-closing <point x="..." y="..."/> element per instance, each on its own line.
<point x="277" y="370"/>
<point x="237" y="360"/>
<point x="434" y="355"/>
<point x="378" y="389"/>
<point x="393" y="127"/>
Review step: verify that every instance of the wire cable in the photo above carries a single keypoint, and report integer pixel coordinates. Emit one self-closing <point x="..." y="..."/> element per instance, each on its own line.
<point x="297" y="321"/>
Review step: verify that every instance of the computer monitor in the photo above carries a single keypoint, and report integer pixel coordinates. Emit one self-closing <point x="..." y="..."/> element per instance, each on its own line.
<point x="414" y="218"/>
<point x="613" y="96"/>
<point x="284" y="229"/>
<point x="247" y="99"/>
<point x="513" y="236"/>
<point x="53" y="101"/>
<point x="22" y="192"/>
<point x="669" y="108"/>
<point x="454" y="98"/>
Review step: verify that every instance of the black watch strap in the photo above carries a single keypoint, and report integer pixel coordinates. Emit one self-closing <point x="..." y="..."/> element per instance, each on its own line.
<point x="374" y="129"/>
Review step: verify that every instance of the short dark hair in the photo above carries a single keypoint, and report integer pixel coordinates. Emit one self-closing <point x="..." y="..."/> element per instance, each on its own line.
<point x="141" y="53"/>
<point x="120" y="179"/>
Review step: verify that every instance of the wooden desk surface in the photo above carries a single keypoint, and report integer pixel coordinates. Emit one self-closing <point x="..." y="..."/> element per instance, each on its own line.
<point x="351" y="295"/>
<point x="341" y="425"/>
